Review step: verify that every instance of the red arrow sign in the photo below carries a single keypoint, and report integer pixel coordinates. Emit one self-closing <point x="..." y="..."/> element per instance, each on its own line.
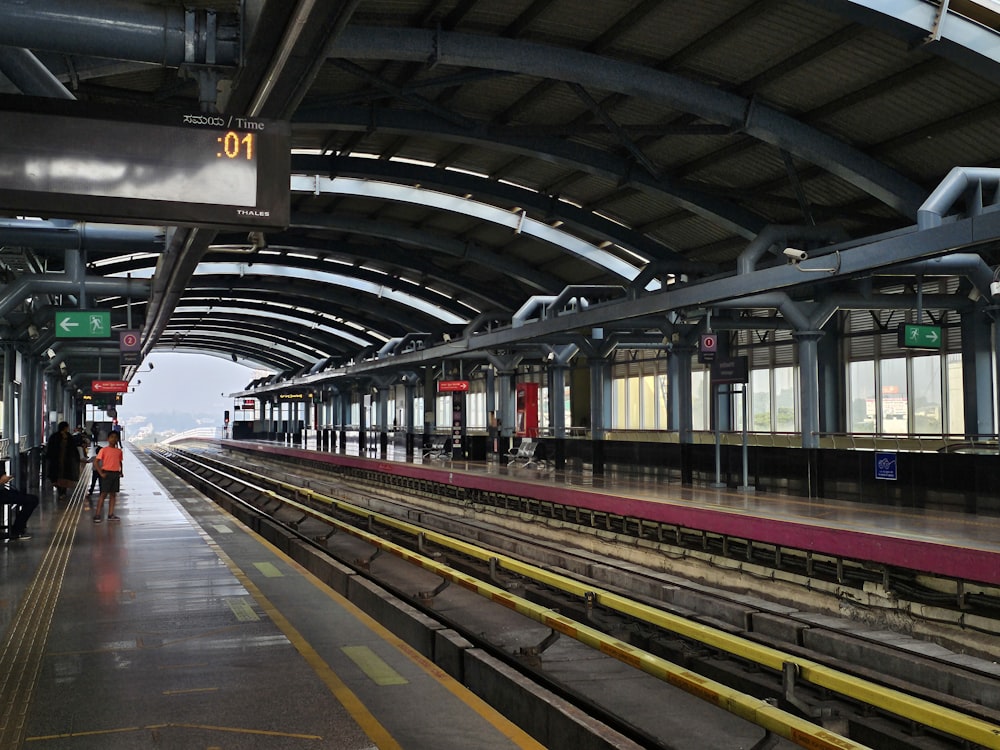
<point x="451" y="386"/>
<point x="109" y="386"/>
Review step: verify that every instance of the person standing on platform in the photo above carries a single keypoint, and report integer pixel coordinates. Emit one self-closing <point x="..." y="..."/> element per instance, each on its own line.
<point x="94" y="476"/>
<point x="21" y="503"/>
<point x="108" y="463"/>
<point x="62" y="460"/>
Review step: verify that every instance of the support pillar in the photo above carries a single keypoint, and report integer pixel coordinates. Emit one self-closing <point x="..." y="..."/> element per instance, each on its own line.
<point x="679" y="408"/>
<point x="507" y="408"/>
<point x="557" y="412"/>
<point x="410" y="389"/>
<point x="808" y="344"/>
<point x="600" y="409"/>
<point x="978" y="372"/>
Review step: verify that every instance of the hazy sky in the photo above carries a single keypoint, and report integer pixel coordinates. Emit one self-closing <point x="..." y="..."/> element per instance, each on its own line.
<point x="184" y="383"/>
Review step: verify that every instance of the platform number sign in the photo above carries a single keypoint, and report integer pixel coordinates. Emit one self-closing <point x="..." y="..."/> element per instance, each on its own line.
<point x="885" y="466"/>
<point x="708" y="347"/>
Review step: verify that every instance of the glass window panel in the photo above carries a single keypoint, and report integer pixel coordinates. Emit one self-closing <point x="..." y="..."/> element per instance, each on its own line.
<point x="926" y="378"/>
<point x="760" y="400"/>
<point x="956" y="395"/>
<point x="618" y="404"/>
<point x="699" y="400"/>
<point x="443" y="414"/>
<point x="567" y="407"/>
<point x="648" y="406"/>
<point x="894" y="397"/>
<point x="661" y="402"/>
<point x="863" y="407"/>
<point x="736" y="404"/>
<point x="633" y="403"/>
<point x="785" y="416"/>
<point x="475" y="412"/>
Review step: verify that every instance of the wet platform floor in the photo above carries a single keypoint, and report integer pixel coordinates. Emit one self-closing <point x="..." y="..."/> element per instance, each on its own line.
<point x="177" y="628"/>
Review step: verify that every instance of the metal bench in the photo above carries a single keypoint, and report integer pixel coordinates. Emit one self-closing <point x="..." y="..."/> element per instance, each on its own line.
<point x="438" y="450"/>
<point x="524" y="455"/>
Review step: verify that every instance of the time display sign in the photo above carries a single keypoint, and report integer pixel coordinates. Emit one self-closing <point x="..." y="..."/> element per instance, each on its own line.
<point x="63" y="159"/>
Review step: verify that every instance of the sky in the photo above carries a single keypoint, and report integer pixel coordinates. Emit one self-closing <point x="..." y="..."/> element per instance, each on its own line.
<point x="194" y="383"/>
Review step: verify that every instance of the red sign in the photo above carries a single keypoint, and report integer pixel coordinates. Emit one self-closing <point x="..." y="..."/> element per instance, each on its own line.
<point x="109" y="386"/>
<point x="453" y="386"/>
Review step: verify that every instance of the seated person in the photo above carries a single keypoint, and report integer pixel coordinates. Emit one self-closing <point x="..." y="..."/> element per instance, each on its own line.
<point x="21" y="503"/>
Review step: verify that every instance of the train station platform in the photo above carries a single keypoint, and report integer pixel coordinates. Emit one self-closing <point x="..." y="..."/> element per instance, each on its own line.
<point x="177" y="628"/>
<point x="949" y="544"/>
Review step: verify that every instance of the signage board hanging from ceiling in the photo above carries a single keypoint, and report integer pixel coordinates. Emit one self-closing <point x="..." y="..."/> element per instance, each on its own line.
<point x="155" y="166"/>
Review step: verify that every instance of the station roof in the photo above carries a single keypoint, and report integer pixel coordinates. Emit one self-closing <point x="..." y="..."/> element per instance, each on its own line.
<point x="453" y="160"/>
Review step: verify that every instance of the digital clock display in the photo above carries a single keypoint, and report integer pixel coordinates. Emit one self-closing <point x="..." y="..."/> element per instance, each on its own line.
<point x="171" y="168"/>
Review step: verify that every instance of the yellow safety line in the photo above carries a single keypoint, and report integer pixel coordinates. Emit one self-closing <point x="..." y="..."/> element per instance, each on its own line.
<point x="24" y="646"/>
<point x="175" y="725"/>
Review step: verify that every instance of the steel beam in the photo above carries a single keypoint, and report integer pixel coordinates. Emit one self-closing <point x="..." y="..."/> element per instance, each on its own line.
<point x="594" y="71"/>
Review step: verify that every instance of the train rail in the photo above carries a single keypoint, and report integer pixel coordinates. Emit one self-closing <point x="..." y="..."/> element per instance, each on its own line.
<point x="790" y="690"/>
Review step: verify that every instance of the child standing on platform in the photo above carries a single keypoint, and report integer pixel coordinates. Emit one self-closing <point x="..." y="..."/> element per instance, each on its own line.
<point x="108" y="464"/>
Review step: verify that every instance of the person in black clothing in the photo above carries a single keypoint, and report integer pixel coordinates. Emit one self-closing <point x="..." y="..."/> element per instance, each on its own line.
<point x="23" y="506"/>
<point x="94" y="476"/>
<point x="62" y="460"/>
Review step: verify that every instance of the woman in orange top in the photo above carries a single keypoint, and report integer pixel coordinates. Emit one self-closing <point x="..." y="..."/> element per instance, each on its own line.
<point x="108" y="464"/>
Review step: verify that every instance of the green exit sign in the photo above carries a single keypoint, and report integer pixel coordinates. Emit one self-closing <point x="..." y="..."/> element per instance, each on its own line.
<point x="919" y="337"/>
<point x="83" y="324"/>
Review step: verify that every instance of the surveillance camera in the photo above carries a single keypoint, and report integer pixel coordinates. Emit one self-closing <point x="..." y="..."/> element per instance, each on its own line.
<point x="795" y="254"/>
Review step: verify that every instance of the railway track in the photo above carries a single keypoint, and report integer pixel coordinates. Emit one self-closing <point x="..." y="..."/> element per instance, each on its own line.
<point x="785" y="676"/>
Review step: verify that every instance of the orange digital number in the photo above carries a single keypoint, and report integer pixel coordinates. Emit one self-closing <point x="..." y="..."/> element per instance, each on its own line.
<point x="234" y="146"/>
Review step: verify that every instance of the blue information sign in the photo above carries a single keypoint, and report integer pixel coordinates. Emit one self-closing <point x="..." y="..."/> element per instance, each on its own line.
<point x="885" y="466"/>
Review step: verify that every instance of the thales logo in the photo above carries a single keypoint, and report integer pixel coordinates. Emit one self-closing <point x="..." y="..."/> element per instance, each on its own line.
<point x="252" y="212"/>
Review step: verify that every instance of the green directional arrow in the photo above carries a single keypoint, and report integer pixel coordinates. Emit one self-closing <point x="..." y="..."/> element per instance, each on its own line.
<point x="83" y="324"/>
<point x="919" y="337"/>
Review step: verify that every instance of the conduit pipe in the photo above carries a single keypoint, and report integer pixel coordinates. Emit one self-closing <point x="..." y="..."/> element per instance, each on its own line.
<point x="777" y="300"/>
<point x="581" y="292"/>
<point x="473" y="326"/>
<point x="960" y="181"/>
<point x="970" y="265"/>
<point x="561" y="355"/>
<point x="784" y="236"/>
<point x="389" y="347"/>
<point x="524" y="312"/>
<point x="57" y="283"/>
<point x="159" y="34"/>
<point x="30" y="76"/>
<point x="41" y="234"/>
